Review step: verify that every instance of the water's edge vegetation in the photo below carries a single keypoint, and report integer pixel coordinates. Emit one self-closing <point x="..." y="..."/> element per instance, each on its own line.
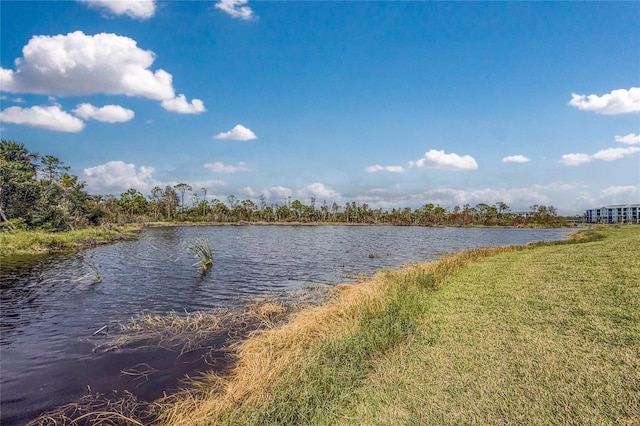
<point x="38" y="193"/>
<point x="43" y="208"/>
<point x="38" y="241"/>
<point x="545" y="333"/>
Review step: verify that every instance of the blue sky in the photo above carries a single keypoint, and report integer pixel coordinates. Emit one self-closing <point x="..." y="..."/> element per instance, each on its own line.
<point x="394" y="104"/>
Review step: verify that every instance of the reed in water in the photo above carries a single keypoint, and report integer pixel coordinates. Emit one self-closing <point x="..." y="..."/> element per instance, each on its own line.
<point x="202" y="250"/>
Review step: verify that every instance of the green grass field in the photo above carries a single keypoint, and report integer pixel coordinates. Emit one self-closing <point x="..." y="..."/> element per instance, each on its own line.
<point x="547" y="334"/>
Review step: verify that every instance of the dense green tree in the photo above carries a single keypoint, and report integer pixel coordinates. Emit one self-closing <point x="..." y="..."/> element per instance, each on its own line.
<point x="19" y="188"/>
<point x="268" y="214"/>
<point x="220" y="211"/>
<point x="283" y="213"/>
<point x="133" y="202"/>
<point x="57" y="201"/>
<point x="63" y="202"/>
<point x="244" y="210"/>
<point x="297" y="208"/>
<point x="544" y="215"/>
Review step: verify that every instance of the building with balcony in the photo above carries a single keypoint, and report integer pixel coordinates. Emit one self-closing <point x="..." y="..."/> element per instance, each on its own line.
<point x="621" y="213"/>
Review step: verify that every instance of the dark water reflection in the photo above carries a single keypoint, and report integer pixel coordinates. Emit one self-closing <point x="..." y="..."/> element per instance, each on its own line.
<point x="51" y="306"/>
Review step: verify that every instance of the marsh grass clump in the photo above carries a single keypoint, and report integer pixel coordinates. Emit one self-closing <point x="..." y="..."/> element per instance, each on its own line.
<point x="173" y="331"/>
<point x="97" y="409"/>
<point x="97" y="277"/>
<point x="202" y="250"/>
<point x="176" y="332"/>
<point x="194" y="331"/>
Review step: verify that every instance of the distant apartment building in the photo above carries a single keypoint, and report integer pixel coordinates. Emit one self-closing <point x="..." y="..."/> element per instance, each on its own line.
<point x="621" y="213"/>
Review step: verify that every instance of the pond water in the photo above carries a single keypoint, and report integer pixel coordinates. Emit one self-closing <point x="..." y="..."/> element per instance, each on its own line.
<point x="52" y="305"/>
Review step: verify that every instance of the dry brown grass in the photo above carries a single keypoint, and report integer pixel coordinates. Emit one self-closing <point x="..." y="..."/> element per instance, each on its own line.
<point x="261" y="359"/>
<point x="192" y="331"/>
<point x="98" y="410"/>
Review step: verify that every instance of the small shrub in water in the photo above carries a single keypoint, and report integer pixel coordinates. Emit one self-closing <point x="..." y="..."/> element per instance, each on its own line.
<point x="202" y="250"/>
<point x="97" y="278"/>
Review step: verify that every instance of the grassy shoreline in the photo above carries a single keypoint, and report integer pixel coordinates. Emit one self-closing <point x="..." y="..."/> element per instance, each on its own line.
<point x="539" y="334"/>
<point x="546" y="333"/>
<point x="32" y="242"/>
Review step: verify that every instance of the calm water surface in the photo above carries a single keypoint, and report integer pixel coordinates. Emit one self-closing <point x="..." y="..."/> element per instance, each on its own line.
<point x="51" y="306"/>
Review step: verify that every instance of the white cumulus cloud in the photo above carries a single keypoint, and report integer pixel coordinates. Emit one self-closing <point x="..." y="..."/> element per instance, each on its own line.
<point x="612" y="154"/>
<point x="238" y="133"/>
<point x="319" y="190"/>
<point x="79" y="64"/>
<point x="138" y="9"/>
<point x="609" y="154"/>
<point x="44" y="117"/>
<point x="236" y="9"/>
<point x="279" y="192"/>
<point x="619" y="101"/>
<point x="437" y="159"/>
<point x="247" y="191"/>
<point x="220" y="167"/>
<point x="630" y="139"/>
<point x="616" y="190"/>
<point x="515" y="159"/>
<point x="118" y="176"/>
<point x="575" y="159"/>
<point x="107" y="113"/>
<point x="379" y="168"/>
<point x="181" y="105"/>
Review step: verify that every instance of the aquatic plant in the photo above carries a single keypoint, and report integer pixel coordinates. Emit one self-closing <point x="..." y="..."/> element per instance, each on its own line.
<point x="202" y="250"/>
<point x="98" y="409"/>
<point x="97" y="278"/>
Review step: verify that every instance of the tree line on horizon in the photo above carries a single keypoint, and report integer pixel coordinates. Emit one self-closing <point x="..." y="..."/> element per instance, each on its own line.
<point x="37" y="192"/>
